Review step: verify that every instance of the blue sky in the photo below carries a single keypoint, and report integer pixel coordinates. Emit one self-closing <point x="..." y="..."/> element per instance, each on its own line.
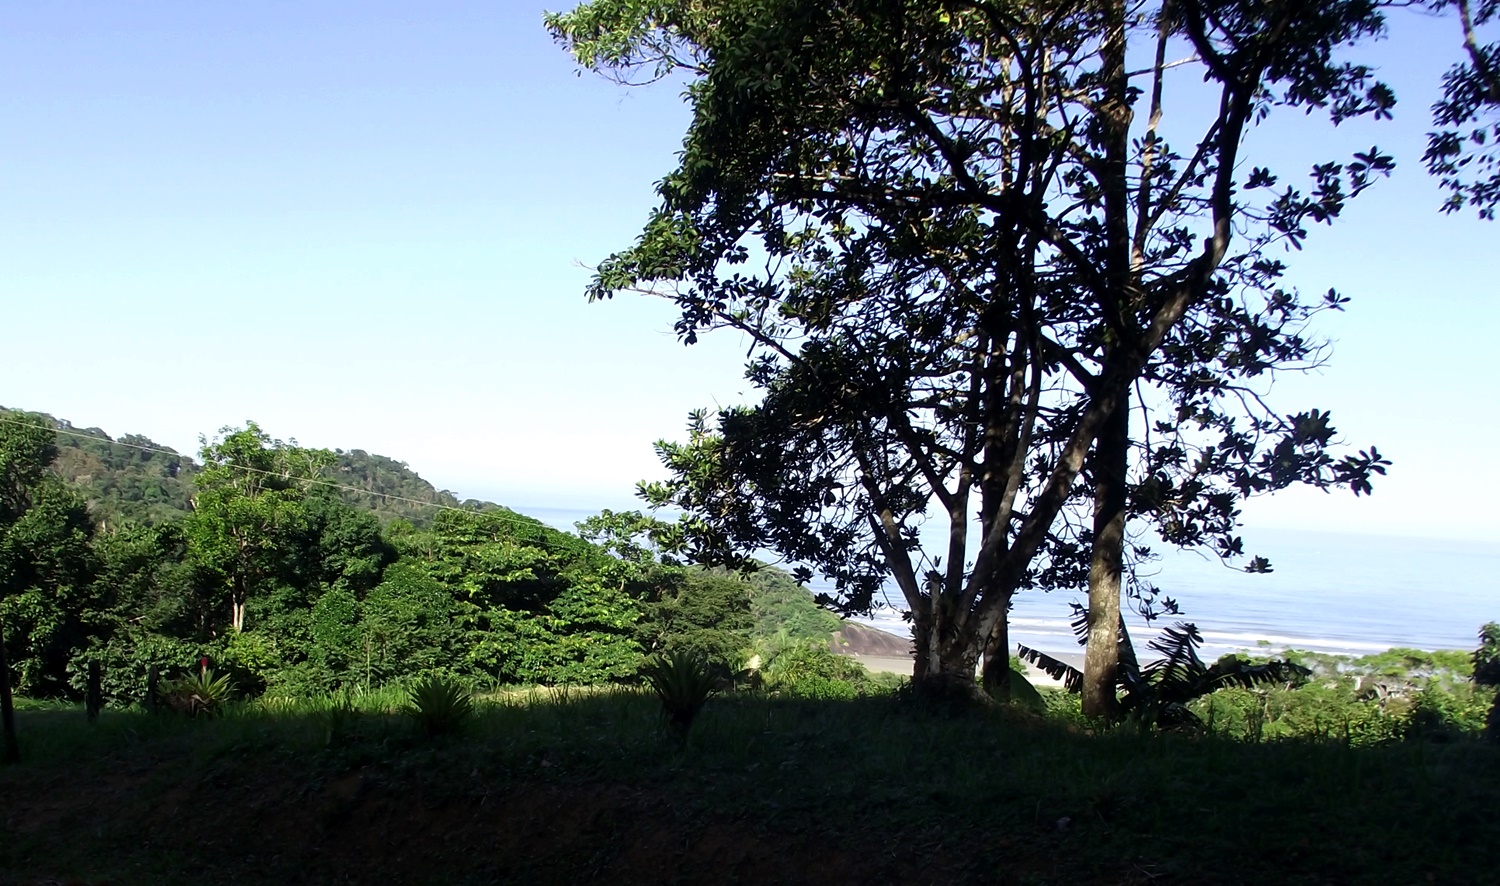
<point x="362" y="226"/>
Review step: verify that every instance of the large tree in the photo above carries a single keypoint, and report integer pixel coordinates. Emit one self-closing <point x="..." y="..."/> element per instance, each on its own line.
<point x="46" y="567"/>
<point x="26" y="448"/>
<point x="959" y="234"/>
<point x="247" y="507"/>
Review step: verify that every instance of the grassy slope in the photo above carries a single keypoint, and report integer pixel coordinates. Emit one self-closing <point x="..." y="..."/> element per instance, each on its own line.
<point x="572" y="788"/>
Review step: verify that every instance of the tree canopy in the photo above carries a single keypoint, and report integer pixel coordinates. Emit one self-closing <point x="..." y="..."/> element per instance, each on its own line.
<point x="965" y="238"/>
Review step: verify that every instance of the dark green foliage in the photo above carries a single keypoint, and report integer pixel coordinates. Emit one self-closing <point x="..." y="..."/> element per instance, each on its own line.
<point x="337" y="546"/>
<point x="683" y="681"/>
<point x="126" y="661"/>
<point x="49" y="600"/>
<point x="531" y="598"/>
<point x="336" y="638"/>
<point x="339" y="718"/>
<point x="1448" y="714"/>
<point x="409" y="624"/>
<point x="439" y="705"/>
<point x="974" y="262"/>
<point x="706" y="613"/>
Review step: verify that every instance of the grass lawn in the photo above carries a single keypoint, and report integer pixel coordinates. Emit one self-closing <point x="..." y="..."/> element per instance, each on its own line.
<point x="562" y="787"/>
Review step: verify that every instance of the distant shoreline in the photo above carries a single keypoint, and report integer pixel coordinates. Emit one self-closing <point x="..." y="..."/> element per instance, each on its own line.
<point x="888" y="664"/>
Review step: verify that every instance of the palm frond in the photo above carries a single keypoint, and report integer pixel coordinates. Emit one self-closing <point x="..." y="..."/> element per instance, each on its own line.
<point x="1071" y="677"/>
<point x="1080" y="623"/>
<point x="1130" y="678"/>
<point x="1230" y="671"/>
<point x="1179" y="663"/>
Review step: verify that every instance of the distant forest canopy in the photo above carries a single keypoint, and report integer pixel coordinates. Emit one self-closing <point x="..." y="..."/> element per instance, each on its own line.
<point x="133" y="478"/>
<point x="301" y="571"/>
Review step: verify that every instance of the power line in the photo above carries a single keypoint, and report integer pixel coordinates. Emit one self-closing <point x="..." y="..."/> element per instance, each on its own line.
<point x="308" y="481"/>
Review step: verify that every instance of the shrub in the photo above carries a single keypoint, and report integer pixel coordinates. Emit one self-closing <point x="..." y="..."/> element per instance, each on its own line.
<point x="820" y="688"/>
<point x="807" y="669"/>
<point x="439" y="705"/>
<point x="1440" y="714"/>
<point x="126" y="661"/>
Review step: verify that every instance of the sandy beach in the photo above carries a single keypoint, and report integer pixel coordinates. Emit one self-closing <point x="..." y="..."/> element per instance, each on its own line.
<point x="887" y="664"/>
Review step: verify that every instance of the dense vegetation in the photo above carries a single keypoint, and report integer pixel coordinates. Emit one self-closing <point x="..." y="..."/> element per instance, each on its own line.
<point x="272" y="575"/>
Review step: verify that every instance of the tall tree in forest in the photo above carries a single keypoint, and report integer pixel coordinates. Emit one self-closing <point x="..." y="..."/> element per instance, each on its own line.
<point x="959" y="234"/>
<point x="27" y="446"/>
<point x="248" y="502"/>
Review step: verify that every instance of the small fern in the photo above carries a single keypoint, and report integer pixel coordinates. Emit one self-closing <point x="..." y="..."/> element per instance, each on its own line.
<point x="439" y="706"/>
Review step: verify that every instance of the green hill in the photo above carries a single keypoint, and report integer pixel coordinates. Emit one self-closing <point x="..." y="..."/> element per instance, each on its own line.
<point x="135" y="479"/>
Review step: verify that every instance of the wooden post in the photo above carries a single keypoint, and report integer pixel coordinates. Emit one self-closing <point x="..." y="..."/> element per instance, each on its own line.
<point x="152" y="677"/>
<point x="94" y="697"/>
<point x="11" y="753"/>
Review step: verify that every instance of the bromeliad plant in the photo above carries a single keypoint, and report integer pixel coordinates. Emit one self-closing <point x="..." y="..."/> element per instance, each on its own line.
<point x="439" y="705"/>
<point x="1157" y="695"/>
<point x="200" y="694"/>
<point x="683" y="681"/>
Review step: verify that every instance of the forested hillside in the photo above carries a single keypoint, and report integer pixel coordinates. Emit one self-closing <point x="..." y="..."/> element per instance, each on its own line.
<point x="135" y="479"/>
<point x="273" y="562"/>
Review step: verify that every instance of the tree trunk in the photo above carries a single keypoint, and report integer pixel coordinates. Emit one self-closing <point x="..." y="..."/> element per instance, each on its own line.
<point x="921" y="636"/>
<point x="93" y="699"/>
<point x="237" y="604"/>
<point x="11" y="753"/>
<point x="995" y="672"/>
<point x="1101" y="661"/>
<point x="951" y="661"/>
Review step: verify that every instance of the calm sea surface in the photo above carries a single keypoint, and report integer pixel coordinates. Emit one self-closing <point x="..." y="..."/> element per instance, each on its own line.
<point x="1329" y="592"/>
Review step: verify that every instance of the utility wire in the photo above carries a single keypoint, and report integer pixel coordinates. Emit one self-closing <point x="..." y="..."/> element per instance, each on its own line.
<point x="308" y="481"/>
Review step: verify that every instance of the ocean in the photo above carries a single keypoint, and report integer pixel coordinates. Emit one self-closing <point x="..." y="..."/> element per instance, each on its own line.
<point x="1329" y="592"/>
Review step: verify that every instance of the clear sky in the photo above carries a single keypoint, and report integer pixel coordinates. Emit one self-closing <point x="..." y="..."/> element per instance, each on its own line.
<point x="362" y="224"/>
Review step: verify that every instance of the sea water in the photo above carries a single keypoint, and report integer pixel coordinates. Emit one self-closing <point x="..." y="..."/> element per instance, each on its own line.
<point x="1328" y="592"/>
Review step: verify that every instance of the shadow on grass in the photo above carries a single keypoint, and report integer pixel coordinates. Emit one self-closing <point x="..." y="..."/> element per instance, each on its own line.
<point x="565" y="785"/>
